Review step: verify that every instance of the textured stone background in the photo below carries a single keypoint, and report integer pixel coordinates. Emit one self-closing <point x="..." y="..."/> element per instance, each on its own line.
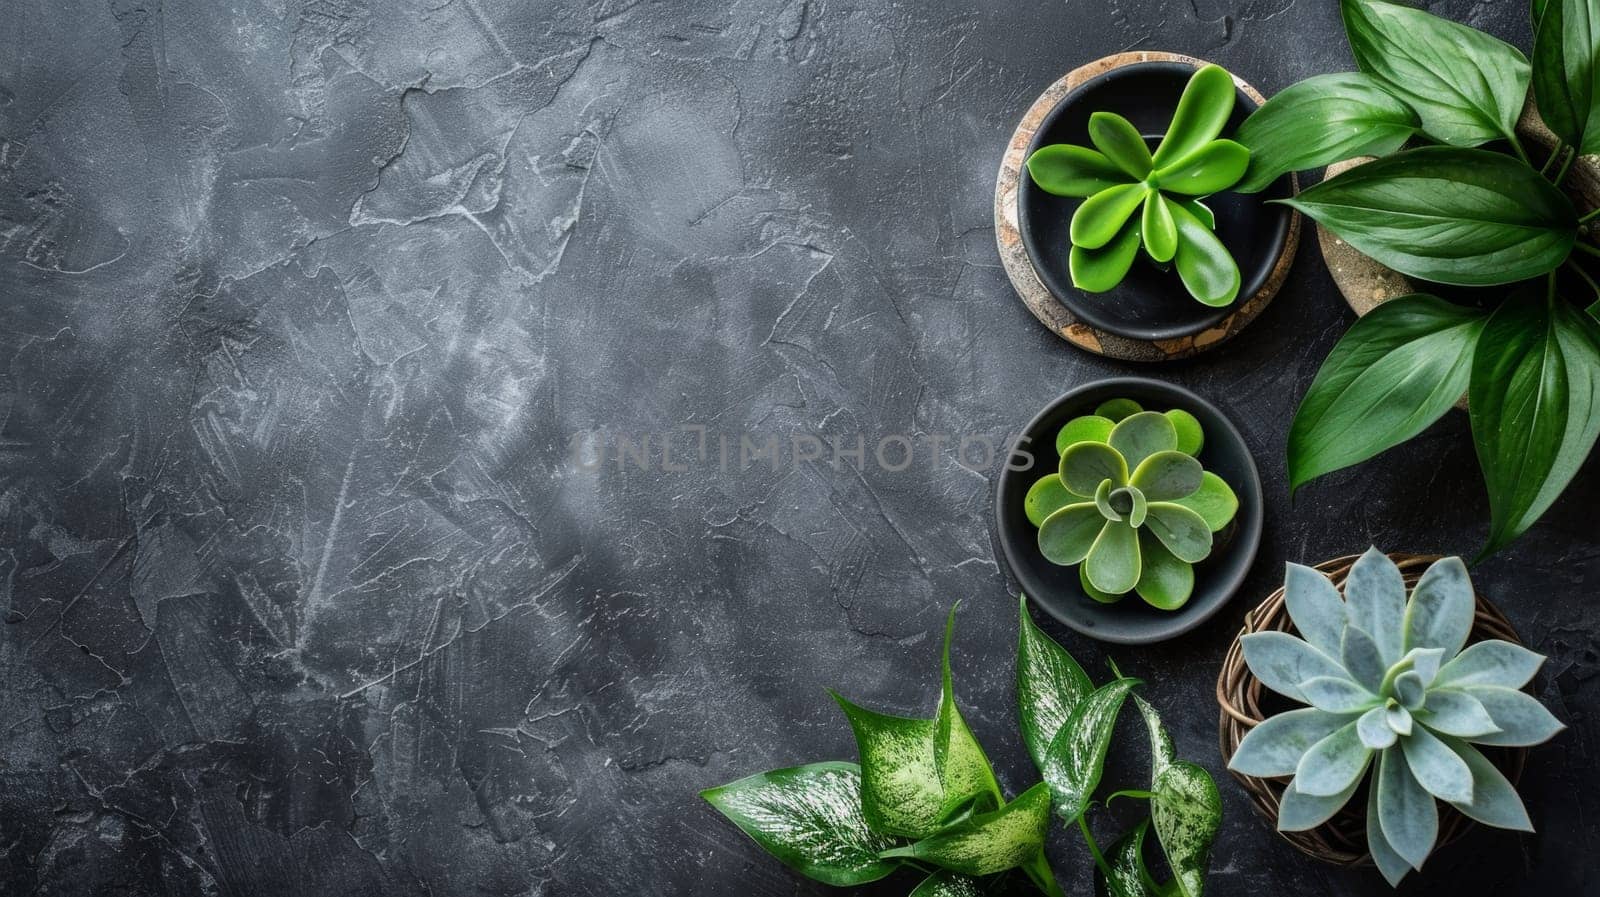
<point x="302" y="593"/>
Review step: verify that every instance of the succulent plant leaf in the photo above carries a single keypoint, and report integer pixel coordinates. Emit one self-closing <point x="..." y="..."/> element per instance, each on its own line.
<point x="1046" y="497"/>
<point x="1376" y="595"/>
<point x="1409" y="690"/>
<point x="1066" y="536"/>
<point x="1165" y="582"/>
<point x="1523" y="721"/>
<point x="1050" y="683"/>
<point x="1214" y="501"/>
<point x="1399" y="719"/>
<point x="1122" y="143"/>
<point x="1406" y="811"/>
<point x="1140" y="509"/>
<point x="1393" y="867"/>
<point x="1113" y="562"/>
<point x="1138" y="436"/>
<point x="1168" y="475"/>
<point x="1100" y="269"/>
<point x="1451" y="712"/>
<point x="1076" y="758"/>
<point x="1099" y="219"/>
<point x="1086" y="428"/>
<point x="1096" y="594"/>
<point x="1437" y="768"/>
<point x="1202" y="112"/>
<point x="1200" y="211"/>
<point x="1315" y="607"/>
<point x="1117" y="409"/>
<point x="1191" y="436"/>
<point x="1441" y="608"/>
<point x="1333" y="763"/>
<point x="1086" y="465"/>
<point x="1181" y="530"/>
<point x="1282" y="662"/>
<point x="1299" y="811"/>
<point x="1362" y="660"/>
<point x="1274" y="747"/>
<point x="1423" y="661"/>
<point x="1336" y="694"/>
<point x="1494" y="799"/>
<point x="1102" y="501"/>
<point x="1063" y="169"/>
<point x="1211" y="169"/>
<point x="1375" y="730"/>
<point x="1492" y="662"/>
<point x="1157" y="229"/>
<point x="1205" y="266"/>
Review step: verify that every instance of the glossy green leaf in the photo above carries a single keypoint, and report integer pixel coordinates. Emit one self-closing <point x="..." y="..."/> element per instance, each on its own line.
<point x="990" y="842"/>
<point x="1062" y="169"/>
<point x="1100" y="218"/>
<point x="1459" y="216"/>
<point x="1208" y="272"/>
<point x="810" y="818"/>
<point x="1098" y="270"/>
<point x="963" y="768"/>
<point x="900" y="789"/>
<point x="1117" y="409"/>
<point x="1086" y="465"/>
<point x="1168" y="474"/>
<point x="1566" y="82"/>
<point x="1321" y="120"/>
<point x="1202" y="113"/>
<point x="1090" y="590"/>
<point x="1210" y="169"/>
<point x="1046" y="497"/>
<point x="1102" y="502"/>
<point x="1066" y="536"/>
<point x="1214" y="501"/>
<point x="1113" y="560"/>
<point x="1160" y="235"/>
<point x="1467" y="87"/>
<point x="1535" y="408"/>
<point x="1182" y="531"/>
<point x="945" y="883"/>
<point x="1162" y="751"/>
<point x="1050" y="684"/>
<point x="1165" y="582"/>
<point x="1187" y="811"/>
<point x="1088" y="428"/>
<point x="1138" y="436"/>
<point x="1121" y="142"/>
<point x="1129" y="876"/>
<point x="1200" y="211"/>
<point x="1191" y="436"/>
<point x="1077" y="756"/>
<point x="1396" y="371"/>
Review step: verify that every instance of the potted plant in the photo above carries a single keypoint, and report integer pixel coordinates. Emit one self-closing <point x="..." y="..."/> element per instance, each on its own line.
<point x="924" y="799"/>
<point x="1133" y="162"/>
<point x="1457" y="198"/>
<point x="1407" y="689"/>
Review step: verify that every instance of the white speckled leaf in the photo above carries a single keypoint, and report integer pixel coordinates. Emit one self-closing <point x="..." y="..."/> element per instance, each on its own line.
<point x="990" y="842"/>
<point x="1129" y="875"/>
<point x="963" y="767"/>
<point x="1187" y="811"/>
<point x="1077" y="757"/>
<point x="1050" y="683"/>
<point x="945" y="883"/>
<point x="900" y="790"/>
<point x="810" y="818"/>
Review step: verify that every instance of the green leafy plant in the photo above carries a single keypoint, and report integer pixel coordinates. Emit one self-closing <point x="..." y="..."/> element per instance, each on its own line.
<point x="1132" y="196"/>
<point x="1130" y="504"/>
<point x="924" y="797"/>
<point x="1454" y="198"/>
<point x="1391" y="690"/>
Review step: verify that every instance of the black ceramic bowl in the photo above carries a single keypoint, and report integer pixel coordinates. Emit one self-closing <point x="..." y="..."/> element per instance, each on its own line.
<point x="1056" y="589"/>
<point x="1149" y="304"/>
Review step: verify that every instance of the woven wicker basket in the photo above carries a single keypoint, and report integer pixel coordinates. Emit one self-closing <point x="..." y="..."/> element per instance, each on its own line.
<point x="1341" y="840"/>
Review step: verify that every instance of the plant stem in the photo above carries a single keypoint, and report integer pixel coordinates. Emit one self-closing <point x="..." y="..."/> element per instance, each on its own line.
<point x="1094" y="848"/>
<point x="1039" y="872"/>
<point x="1521" y="153"/>
<point x="1544" y="170"/>
<point x="1593" y="213"/>
<point x="1585" y="247"/>
<point x="1585" y="275"/>
<point x="1566" y="167"/>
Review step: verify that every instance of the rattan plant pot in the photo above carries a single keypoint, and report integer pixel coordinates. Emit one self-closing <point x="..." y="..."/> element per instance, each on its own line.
<point x="1341" y="840"/>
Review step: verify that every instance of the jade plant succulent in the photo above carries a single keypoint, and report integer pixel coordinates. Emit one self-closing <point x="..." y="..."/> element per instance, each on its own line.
<point x="1391" y="690"/>
<point x="1132" y="196"/>
<point x="1130" y="503"/>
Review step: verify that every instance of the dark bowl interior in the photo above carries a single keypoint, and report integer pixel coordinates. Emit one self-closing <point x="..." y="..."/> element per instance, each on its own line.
<point x="1057" y="590"/>
<point x="1149" y="304"/>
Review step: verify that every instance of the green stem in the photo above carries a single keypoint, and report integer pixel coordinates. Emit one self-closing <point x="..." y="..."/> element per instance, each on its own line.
<point x="1521" y="153"/>
<point x="1586" y="248"/>
<point x="1593" y="213"/>
<point x="1039" y="872"/>
<point x="1544" y="170"/>
<point x="1566" y="167"/>
<point x="1094" y="848"/>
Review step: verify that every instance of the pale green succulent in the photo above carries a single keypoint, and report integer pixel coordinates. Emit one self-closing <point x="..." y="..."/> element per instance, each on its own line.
<point x="1131" y="504"/>
<point x="1391" y="689"/>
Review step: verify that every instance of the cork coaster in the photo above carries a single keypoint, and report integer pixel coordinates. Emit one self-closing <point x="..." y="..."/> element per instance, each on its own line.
<point x="1034" y="294"/>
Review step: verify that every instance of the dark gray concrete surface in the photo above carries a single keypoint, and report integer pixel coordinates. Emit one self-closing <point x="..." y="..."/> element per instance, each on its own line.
<point x="303" y="593"/>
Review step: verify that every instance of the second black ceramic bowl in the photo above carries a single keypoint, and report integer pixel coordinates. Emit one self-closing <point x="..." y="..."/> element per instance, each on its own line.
<point x="1057" y="589"/>
<point x="1149" y="304"/>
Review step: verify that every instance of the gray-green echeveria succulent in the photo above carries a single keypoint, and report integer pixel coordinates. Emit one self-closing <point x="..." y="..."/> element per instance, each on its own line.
<point x="1131" y="504"/>
<point x="1392" y="690"/>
